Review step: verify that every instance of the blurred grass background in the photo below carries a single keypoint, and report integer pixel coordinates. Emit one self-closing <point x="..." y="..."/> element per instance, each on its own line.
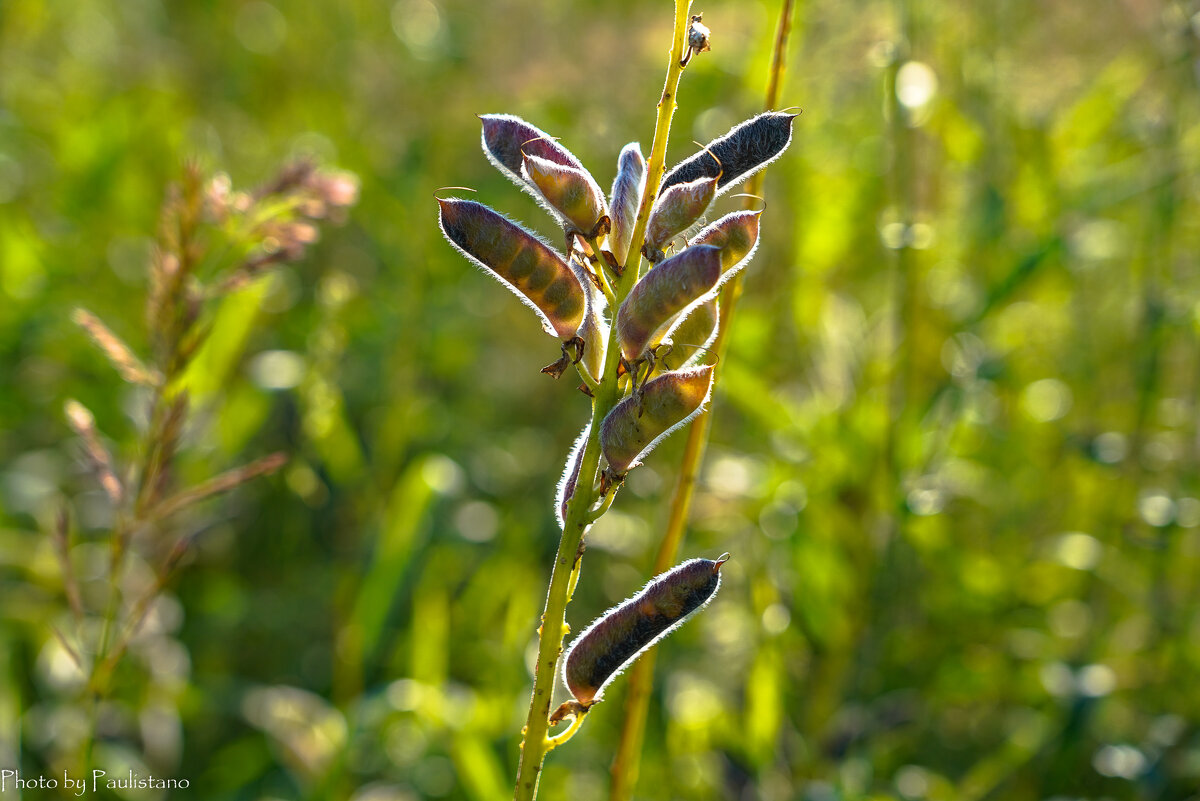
<point x="956" y="447"/>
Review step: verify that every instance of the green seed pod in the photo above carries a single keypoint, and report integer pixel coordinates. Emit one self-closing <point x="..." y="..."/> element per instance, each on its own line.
<point x="618" y="637"/>
<point x="736" y="235"/>
<point x="737" y="155"/>
<point x="570" y="193"/>
<point x="633" y="429"/>
<point x="627" y="191"/>
<point x="522" y="262"/>
<point x="665" y="291"/>
<point x="676" y="209"/>
<point x="690" y="335"/>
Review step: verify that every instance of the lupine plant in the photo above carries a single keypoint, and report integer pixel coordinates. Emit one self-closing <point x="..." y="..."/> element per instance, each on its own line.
<point x="632" y="299"/>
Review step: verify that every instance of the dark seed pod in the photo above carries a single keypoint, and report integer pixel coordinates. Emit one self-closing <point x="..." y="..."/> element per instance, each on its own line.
<point x="571" y="193"/>
<point x="676" y="209"/>
<point x="637" y="424"/>
<point x="506" y="142"/>
<point x="570" y="477"/>
<point x="691" y="334"/>
<point x="627" y="191"/>
<point x="738" y="154"/>
<point x="594" y="332"/>
<point x="736" y="235"/>
<point x="522" y="262"/>
<point x="618" y="637"/>
<point x="664" y="292"/>
<point x="507" y="139"/>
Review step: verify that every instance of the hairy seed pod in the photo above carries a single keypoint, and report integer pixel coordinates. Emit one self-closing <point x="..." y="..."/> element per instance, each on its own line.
<point x="507" y="139"/>
<point x="665" y="291"/>
<point x="594" y="332"/>
<point x="627" y="191"/>
<point x="570" y="192"/>
<point x="632" y="429"/>
<point x="523" y="262"/>
<point x="736" y="235"/>
<point x="619" y="636"/>
<point x="676" y="209"/>
<point x="570" y="478"/>
<point x="737" y="155"/>
<point x="691" y="334"/>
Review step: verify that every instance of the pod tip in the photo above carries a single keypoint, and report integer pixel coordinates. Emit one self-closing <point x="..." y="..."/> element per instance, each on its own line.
<point x="722" y="559"/>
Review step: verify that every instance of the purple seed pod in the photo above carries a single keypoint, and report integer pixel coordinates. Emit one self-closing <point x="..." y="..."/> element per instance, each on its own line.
<point x="570" y="478"/>
<point x="533" y="270"/>
<point x="632" y="429"/>
<point x="736" y="235"/>
<point x="691" y="334"/>
<point x="737" y="155"/>
<point x="572" y="194"/>
<point x="677" y="208"/>
<point x="627" y="191"/>
<point x="662" y="293"/>
<point x="506" y="139"/>
<point x="622" y="634"/>
<point x="594" y="332"/>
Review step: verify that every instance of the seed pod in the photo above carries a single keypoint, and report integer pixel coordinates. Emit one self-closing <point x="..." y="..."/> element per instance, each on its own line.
<point x="664" y="292"/>
<point x="743" y="151"/>
<point x="691" y="334"/>
<point x="570" y="477"/>
<point x="736" y="235"/>
<point x="677" y="208"/>
<point x="633" y="429"/>
<point x="522" y="262"/>
<point x="619" y="636"/>
<point x="568" y="191"/>
<point x="627" y="191"/>
<point x="594" y="332"/>
<point x="507" y="139"/>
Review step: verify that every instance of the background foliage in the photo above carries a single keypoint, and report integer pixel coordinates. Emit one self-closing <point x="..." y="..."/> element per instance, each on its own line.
<point x="956" y="449"/>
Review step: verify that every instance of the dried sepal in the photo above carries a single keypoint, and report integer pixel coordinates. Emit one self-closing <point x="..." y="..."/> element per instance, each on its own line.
<point x="665" y="291"/>
<point x="637" y="424"/>
<point x="618" y="637"/>
<point x="570" y="477"/>
<point x="737" y="155"/>
<point x="627" y="190"/>
<point x="690" y="335"/>
<point x="532" y="269"/>
<point x="569" y="191"/>
<point x="699" y="36"/>
<point x="736" y="234"/>
<point x="675" y="210"/>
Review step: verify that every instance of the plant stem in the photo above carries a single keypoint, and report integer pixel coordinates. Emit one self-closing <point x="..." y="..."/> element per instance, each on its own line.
<point x="626" y="764"/>
<point x="578" y="513"/>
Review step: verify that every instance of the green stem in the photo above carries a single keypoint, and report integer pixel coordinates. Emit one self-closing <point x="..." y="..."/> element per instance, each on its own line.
<point x="578" y="513"/>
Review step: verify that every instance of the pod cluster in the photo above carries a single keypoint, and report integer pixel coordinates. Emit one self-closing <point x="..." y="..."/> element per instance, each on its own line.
<point x="662" y="325"/>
